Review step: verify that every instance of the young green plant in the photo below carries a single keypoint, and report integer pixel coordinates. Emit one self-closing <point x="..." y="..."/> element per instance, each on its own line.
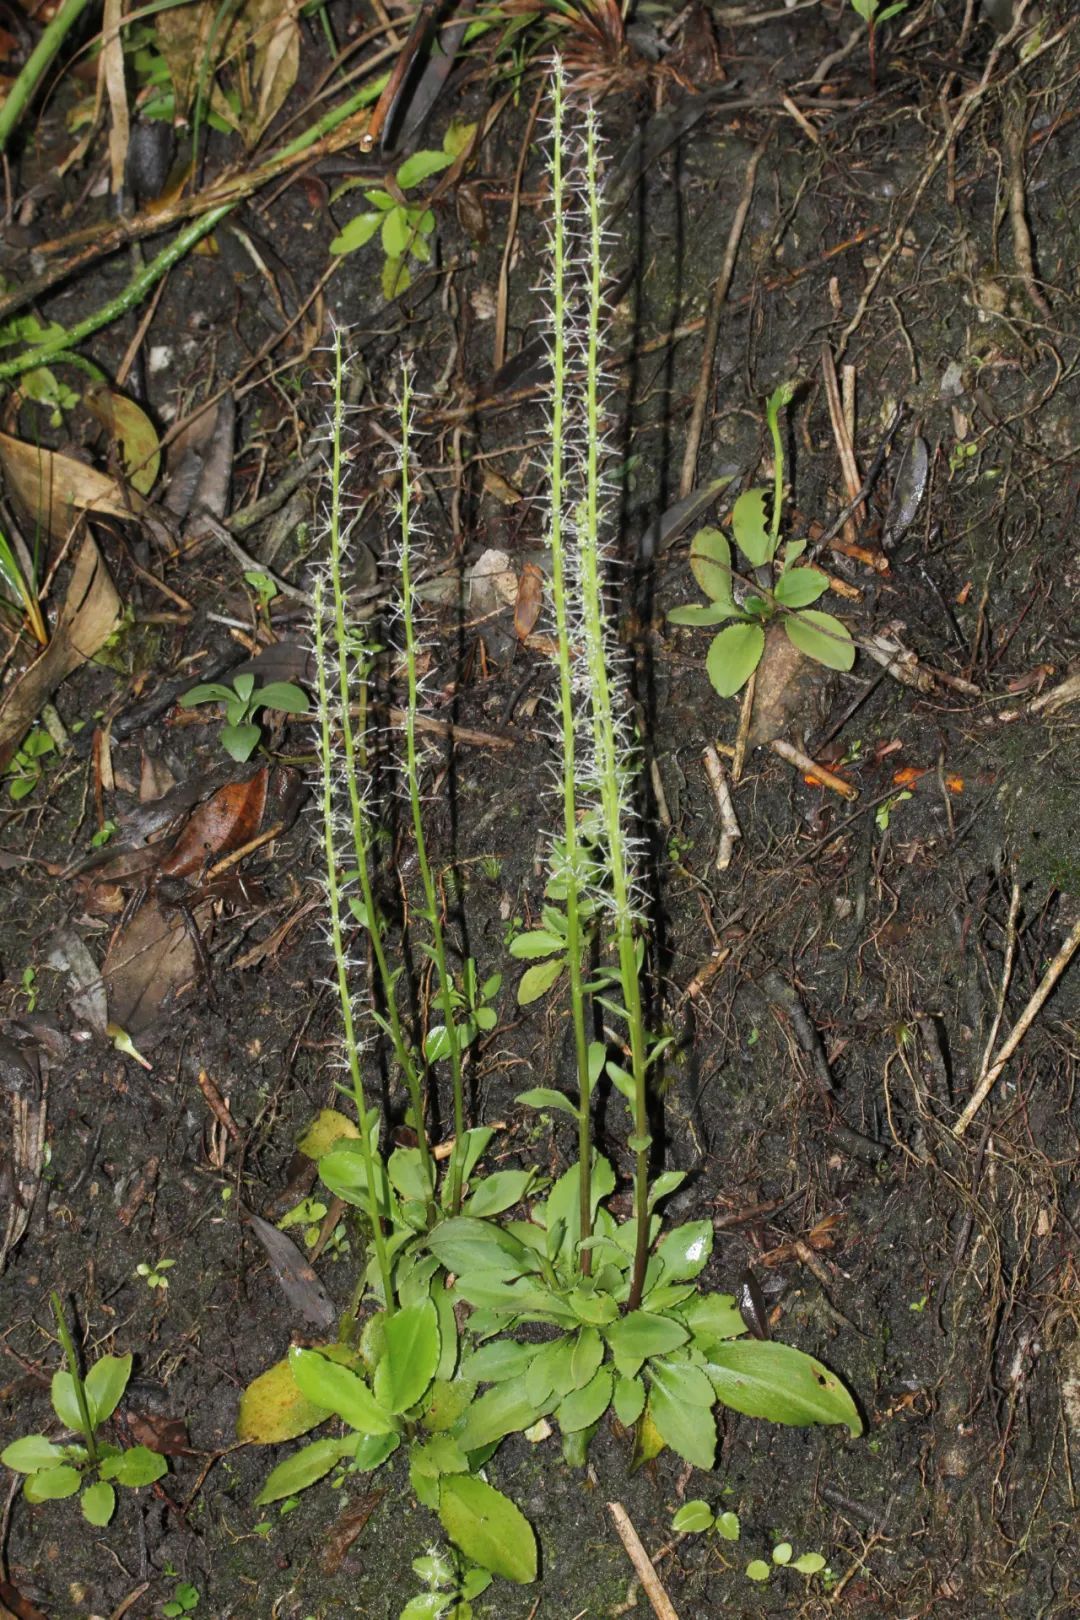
<point x="783" y="590"/>
<point x="91" y="1467"/>
<point x="240" y="736"/>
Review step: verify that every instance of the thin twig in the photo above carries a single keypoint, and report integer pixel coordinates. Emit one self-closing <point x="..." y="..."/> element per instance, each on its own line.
<point x="662" y="1606"/>
<point x="729" y="822"/>
<point x="1023" y="1024"/>
<point x="810" y="767"/>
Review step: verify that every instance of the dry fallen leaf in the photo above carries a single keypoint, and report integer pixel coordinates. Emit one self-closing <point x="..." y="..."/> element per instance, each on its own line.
<point x="90" y="614"/>
<point x="147" y="964"/>
<point x="786" y="689"/>
<point x="54" y="488"/>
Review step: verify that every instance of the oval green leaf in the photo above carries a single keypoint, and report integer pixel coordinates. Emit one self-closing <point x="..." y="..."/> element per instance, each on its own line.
<point x="303" y="1468"/>
<point x="693" y="1517"/>
<point x="768" y="1380"/>
<point x="685" y="1251"/>
<point x="749" y="524"/>
<point x="52" y="1484"/>
<point x="105" y="1384"/>
<point x="733" y="657"/>
<point x="698" y="614"/>
<point x="822" y="638"/>
<point x="757" y="1570"/>
<point x="421" y="166"/>
<point x="710" y="564"/>
<point x="98" y="1503"/>
<point x="357" y="233"/>
<point x="30" y="1454"/>
<point x="809" y="1563"/>
<point x="538" y="979"/>
<point x="629" y="1400"/>
<point x="341" y="1390"/>
<point x="488" y="1528"/>
<point x="689" y="1430"/>
<point x="134" y="1467"/>
<point x="798" y="587"/>
<point x="587" y="1405"/>
<point x="537" y="942"/>
<point x="410" y="1359"/>
<point x="546" y="1097"/>
<point x="641" y="1334"/>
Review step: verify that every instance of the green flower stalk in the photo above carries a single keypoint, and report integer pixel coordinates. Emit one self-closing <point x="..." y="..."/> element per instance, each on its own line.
<point x="609" y="707"/>
<point x="575" y="856"/>
<point x="409" y="609"/>
<point x="353" y="656"/>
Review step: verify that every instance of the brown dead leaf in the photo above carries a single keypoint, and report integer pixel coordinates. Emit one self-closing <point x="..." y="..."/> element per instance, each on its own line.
<point x="148" y="964"/>
<point x="786" y="689"/>
<point x="341" y="1535"/>
<point x="90" y="614"/>
<point x="167" y="1436"/>
<point x="530" y="598"/>
<point x="297" y="1278"/>
<point x="129" y="427"/>
<point x="53" y="489"/>
<point x="276" y="32"/>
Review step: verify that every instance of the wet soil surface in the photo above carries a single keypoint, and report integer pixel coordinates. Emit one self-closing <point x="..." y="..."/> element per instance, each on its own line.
<point x="831" y="992"/>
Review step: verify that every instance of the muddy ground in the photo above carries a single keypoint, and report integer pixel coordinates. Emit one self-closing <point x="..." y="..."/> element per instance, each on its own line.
<point x="832" y="991"/>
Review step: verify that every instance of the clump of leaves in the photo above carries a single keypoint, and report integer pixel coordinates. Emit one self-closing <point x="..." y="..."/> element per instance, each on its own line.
<point x="26" y="770"/>
<point x="240" y="735"/>
<point x="90" y="1466"/>
<point x="451" y="1581"/>
<point x="405" y="227"/>
<point x="778" y="588"/>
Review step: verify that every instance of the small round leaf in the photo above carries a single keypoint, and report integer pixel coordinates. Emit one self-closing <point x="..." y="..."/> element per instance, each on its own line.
<point x="734" y="656"/>
<point x="757" y="1570"/>
<point x="822" y="638"/>
<point x="693" y="1517"/>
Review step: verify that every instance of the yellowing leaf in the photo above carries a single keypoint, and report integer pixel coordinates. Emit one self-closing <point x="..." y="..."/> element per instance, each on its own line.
<point x="130" y="427"/>
<point x="328" y="1126"/>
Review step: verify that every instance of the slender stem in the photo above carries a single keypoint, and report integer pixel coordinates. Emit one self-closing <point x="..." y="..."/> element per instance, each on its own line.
<point x="351" y="644"/>
<point x="64" y="1335"/>
<point x="337" y="945"/>
<point x="610" y="768"/>
<point x="412" y="769"/>
<point x="560" y="317"/>
<point x="37" y="65"/>
<point x="133" y="294"/>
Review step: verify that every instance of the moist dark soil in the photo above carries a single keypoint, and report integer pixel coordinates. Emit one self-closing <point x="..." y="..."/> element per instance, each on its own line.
<point x="832" y="992"/>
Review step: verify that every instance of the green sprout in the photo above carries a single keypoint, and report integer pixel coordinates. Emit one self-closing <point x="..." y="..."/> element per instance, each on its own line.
<point x="781" y="590"/>
<point x="405" y="228"/>
<point x="25" y="770"/>
<point x="240" y="735"/>
<point x="154" y="1274"/>
<point x="90" y="1467"/>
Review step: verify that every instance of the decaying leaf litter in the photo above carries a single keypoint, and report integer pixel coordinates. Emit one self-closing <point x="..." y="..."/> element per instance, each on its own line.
<point x="902" y="250"/>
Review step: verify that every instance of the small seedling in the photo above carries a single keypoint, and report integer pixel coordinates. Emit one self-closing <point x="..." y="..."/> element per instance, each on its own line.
<point x="243" y="700"/>
<point x="695" y="1517"/>
<point x="185" y="1600"/>
<point x="90" y="1466"/>
<point x="452" y="1581"/>
<point x="873" y="14"/>
<point x="883" y="813"/>
<point x="473" y="1001"/>
<point x="25" y="770"/>
<point x="786" y="593"/>
<point x="262" y="587"/>
<point x="103" y="834"/>
<point x="30" y="987"/>
<point x="406" y="228"/>
<point x="154" y="1275"/>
